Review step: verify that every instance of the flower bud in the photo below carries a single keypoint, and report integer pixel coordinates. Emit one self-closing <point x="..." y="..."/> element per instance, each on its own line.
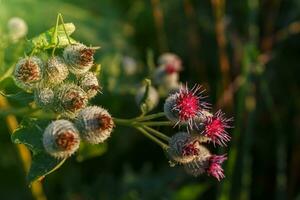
<point x="28" y="72"/>
<point x="162" y="76"/>
<point x="89" y="83"/>
<point x="61" y="139"/>
<point x="79" y="58"/>
<point x="184" y="147"/>
<point x="149" y="99"/>
<point x="176" y="144"/>
<point x="171" y="61"/>
<point x="95" y="124"/>
<point x="44" y="97"/>
<point x="69" y="99"/>
<point x="200" y="163"/>
<point x="56" y="71"/>
<point x="17" y="28"/>
<point x="206" y="163"/>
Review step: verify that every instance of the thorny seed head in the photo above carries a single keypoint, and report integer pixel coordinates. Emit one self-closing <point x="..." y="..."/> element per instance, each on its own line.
<point x="199" y="163"/>
<point x="56" y="71"/>
<point x="191" y="148"/>
<point x="214" y="128"/>
<point x="95" y="124"/>
<point x="184" y="147"/>
<point x="185" y="105"/>
<point x="44" y="97"/>
<point x="215" y="169"/>
<point x="89" y="83"/>
<point x="61" y="139"/>
<point x="28" y="72"/>
<point x="79" y="57"/>
<point x="69" y="99"/>
<point x="176" y="144"/>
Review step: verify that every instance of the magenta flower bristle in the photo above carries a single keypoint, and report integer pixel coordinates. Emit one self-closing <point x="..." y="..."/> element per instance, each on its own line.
<point x="191" y="148"/>
<point x="215" y="169"/>
<point x="215" y="126"/>
<point x="189" y="104"/>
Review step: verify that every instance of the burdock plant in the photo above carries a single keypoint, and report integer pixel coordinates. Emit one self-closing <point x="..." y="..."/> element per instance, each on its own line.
<point x="58" y="72"/>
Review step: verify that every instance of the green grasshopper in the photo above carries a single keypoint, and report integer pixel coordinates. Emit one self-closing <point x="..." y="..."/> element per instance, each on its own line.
<point x="56" y="37"/>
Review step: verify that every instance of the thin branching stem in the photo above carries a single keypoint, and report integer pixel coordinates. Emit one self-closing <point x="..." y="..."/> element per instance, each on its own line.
<point x="157" y="123"/>
<point x="157" y="133"/>
<point x="151" y="137"/>
<point x="149" y="117"/>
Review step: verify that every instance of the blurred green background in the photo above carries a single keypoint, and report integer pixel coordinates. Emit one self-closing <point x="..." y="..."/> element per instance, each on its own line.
<point x="246" y="53"/>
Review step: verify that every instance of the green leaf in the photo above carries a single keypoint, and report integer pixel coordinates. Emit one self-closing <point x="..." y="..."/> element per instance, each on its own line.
<point x="20" y="96"/>
<point x="42" y="164"/>
<point x="30" y="134"/>
<point x="87" y="151"/>
<point x="45" y="40"/>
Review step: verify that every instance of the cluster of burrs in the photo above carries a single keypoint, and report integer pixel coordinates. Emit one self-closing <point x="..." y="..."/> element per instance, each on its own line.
<point x="64" y="84"/>
<point x="187" y="107"/>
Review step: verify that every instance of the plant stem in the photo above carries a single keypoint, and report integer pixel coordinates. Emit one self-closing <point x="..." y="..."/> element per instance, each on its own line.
<point x="141" y="126"/>
<point x="151" y="137"/>
<point x="149" y="117"/>
<point x="124" y="122"/>
<point x="132" y="122"/>
<point x="155" y="123"/>
<point x="157" y="133"/>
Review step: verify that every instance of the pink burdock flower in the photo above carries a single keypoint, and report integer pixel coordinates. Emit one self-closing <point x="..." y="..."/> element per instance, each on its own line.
<point x="185" y="147"/>
<point x="185" y="105"/>
<point x="191" y="149"/>
<point x="214" y="128"/>
<point x="170" y="68"/>
<point x="215" y="168"/>
<point x="171" y="60"/>
<point x="167" y="73"/>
